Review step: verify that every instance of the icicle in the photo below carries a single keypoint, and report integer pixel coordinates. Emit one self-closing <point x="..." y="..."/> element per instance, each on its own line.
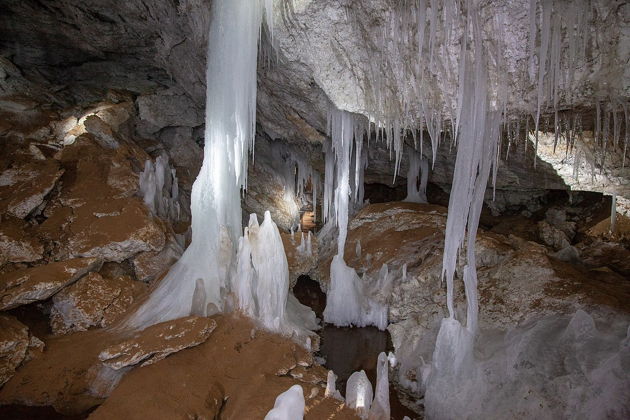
<point x="613" y="214"/>
<point x="357" y="249"/>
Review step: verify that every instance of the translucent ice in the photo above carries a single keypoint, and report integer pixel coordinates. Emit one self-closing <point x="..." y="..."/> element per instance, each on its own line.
<point x="359" y="393"/>
<point x="380" y="407"/>
<point x="289" y="405"/>
<point x="201" y="273"/>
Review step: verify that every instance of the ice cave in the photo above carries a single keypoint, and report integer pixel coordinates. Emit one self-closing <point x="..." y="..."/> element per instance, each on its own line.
<point x="314" y="209"/>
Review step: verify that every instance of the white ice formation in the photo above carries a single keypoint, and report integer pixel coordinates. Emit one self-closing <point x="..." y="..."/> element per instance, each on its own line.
<point x="217" y="264"/>
<point x="305" y="247"/>
<point x="380" y="406"/>
<point x="417" y="177"/>
<point x="359" y="393"/>
<point x="159" y="189"/>
<point x="348" y="301"/>
<point x="289" y="405"/>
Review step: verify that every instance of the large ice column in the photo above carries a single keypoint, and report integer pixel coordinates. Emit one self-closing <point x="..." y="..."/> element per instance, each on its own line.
<point x="477" y="143"/>
<point x="202" y="271"/>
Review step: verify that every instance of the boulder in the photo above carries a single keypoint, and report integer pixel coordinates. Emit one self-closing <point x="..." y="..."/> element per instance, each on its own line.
<point x="114" y="230"/>
<point x="552" y="236"/>
<point x="93" y="300"/>
<point x="29" y="285"/>
<point x="300" y="263"/>
<point x="517" y="280"/>
<point x="151" y="264"/>
<point x="16" y="345"/>
<point x="158" y="341"/>
<point x="16" y="245"/>
<point x="102" y="132"/>
<point x="23" y="186"/>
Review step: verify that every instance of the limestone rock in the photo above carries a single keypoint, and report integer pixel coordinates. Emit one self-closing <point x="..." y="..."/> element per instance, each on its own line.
<point x="16" y="245"/>
<point x="96" y="213"/>
<point x="102" y="132"/>
<point x="299" y="263"/>
<point x="168" y="109"/>
<point x="552" y="236"/>
<point x="16" y="345"/>
<point x="113" y="230"/>
<point x="150" y="265"/>
<point x="158" y="341"/>
<point x="91" y="301"/>
<point x="29" y="285"/>
<point x="23" y="187"/>
<point x="13" y="345"/>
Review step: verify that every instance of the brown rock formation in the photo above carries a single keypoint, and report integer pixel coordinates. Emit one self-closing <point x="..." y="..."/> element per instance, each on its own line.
<point x="29" y="285"/>
<point x="158" y="341"/>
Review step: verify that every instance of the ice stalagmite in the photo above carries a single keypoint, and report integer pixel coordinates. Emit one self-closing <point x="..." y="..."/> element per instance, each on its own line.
<point x="201" y="273"/>
<point x="359" y="393"/>
<point x="289" y="405"/>
<point x="380" y="407"/>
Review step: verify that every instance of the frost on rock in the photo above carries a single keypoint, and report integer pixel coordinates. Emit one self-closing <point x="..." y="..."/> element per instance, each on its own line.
<point x="289" y="405"/>
<point x="359" y="393"/>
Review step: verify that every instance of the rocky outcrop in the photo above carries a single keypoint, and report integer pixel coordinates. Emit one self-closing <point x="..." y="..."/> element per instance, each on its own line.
<point x="95" y="213"/>
<point x="300" y="262"/>
<point x="29" y="285"/>
<point x="150" y="265"/>
<point x="158" y="341"/>
<point x="518" y="280"/>
<point x="94" y="300"/>
<point x="16" y="245"/>
<point x="16" y="344"/>
<point x="23" y="186"/>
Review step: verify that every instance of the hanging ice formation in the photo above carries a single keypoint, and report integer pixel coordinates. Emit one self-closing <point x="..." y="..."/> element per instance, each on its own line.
<point x="417" y="177"/>
<point x="199" y="282"/>
<point x="347" y="300"/>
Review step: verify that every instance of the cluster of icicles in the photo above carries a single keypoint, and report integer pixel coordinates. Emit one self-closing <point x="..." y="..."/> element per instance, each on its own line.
<point x="226" y="268"/>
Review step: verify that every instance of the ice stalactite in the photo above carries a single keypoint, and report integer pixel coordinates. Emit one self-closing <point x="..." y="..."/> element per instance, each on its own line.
<point x="453" y="358"/>
<point x="417" y="177"/>
<point x="343" y="300"/>
<point x="197" y="282"/>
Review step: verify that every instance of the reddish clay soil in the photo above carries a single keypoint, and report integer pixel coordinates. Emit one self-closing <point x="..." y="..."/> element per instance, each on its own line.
<point x="236" y="374"/>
